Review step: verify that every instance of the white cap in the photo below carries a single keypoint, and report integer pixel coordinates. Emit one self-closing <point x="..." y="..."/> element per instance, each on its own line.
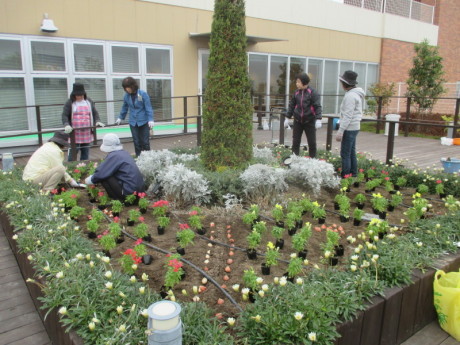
<point x="111" y="143"/>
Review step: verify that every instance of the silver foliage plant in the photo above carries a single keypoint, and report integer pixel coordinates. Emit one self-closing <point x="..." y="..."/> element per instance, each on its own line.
<point x="184" y="186"/>
<point x="263" y="182"/>
<point x="263" y="155"/>
<point x="312" y="173"/>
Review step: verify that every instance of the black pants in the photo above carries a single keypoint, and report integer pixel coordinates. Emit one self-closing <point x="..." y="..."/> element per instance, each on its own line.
<point x="113" y="188"/>
<point x="310" y="132"/>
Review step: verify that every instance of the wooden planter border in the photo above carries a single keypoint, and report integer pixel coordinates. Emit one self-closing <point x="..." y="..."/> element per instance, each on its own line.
<point x="388" y="320"/>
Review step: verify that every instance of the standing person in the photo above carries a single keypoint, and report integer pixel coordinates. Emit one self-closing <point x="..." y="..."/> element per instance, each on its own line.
<point x="140" y="114"/>
<point x="351" y="113"/>
<point x="306" y="109"/>
<point x="45" y="165"/>
<point x="118" y="173"/>
<point x="80" y="111"/>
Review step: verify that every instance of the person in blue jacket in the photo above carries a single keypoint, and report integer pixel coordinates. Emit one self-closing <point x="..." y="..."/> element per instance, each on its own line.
<point x="118" y="173"/>
<point x="140" y="114"/>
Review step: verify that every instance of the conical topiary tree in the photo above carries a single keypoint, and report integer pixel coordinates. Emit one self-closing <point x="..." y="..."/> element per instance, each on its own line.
<point x="227" y="111"/>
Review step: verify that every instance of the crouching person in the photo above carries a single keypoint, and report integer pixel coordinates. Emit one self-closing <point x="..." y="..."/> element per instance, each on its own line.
<point x="118" y="173"/>
<point x="45" y="167"/>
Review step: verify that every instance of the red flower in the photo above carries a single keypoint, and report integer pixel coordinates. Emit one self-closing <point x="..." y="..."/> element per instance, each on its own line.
<point x="193" y="213"/>
<point x="54" y="191"/>
<point x="183" y="226"/>
<point x="116" y="219"/>
<point x="134" y="193"/>
<point x="141" y="195"/>
<point x="438" y="181"/>
<point x="387" y="178"/>
<point x="129" y="251"/>
<point x="141" y="219"/>
<point x="361" y="170"/>
<point x="73" y="196"/>
<point x="139" y="241"/>
<point x="160" y="203"/>
<point x="348" y="176"/>
<point x="100" y="193"/>
<point x="76" y="171"/>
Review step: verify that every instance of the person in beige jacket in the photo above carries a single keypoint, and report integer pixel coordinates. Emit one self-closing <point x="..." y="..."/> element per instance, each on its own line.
<point x="45" y="167"/>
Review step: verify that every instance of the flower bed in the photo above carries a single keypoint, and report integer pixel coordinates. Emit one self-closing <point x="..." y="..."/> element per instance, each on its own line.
<point x="209" y="256"/>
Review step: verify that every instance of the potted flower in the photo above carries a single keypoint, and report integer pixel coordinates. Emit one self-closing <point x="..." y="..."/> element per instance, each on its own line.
<point x="278" y="215"/>
<point x="143" y="202"/>
<point x="346" y="182"/>
<point x="194" y="220"/>
<point x="133" y="216"/>
<point x="379" y="205"/>
<point x="306" y="205"/>
<point x="107" y="243"/>
<point x="115" y="231"/>
<point x="359" y="178"/>
<point x="271" y="258"/>
<point x="344" y="208"/>
<point x="174" y="270"/>
<point x="395" y="201"/>
<point x="333" y="239"/>
<point x="250" y="281"/>
<point x="117" y="207"/>
<point x="129" y="261"/>
<point x="291" y="223"/>
<point x="370" y="173"/>
<point x="103" y="200"/>
<point x="253" y="240"/>
<point x="357" y="216"/>
<point x="141" y="252"/>
<point x="400" y="182"/>
<point x="252" y="215"/>
<point x="97" y="215"/>
<point x="422" y="188"/>
<point x="319" y="213"/>
<point x="360" y="199"/>
<point x="277" y="233"/>
<point x="141" y="231"/>
<point x="389" y="187"/>
<point x="440" y="189"/>
<point x="76" y="212"/>
<point x="92" y="225"/>
<point x="185" y="236"/>
<point x="93" y="192"/>
<point x="160" y="208"/>
<point x="131" y="199"/>
<point x="294" y="268"/>
<point x="163" y="222"/>
<point x="260" y="227"/>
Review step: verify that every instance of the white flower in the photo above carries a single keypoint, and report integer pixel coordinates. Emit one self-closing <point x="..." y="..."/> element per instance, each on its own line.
<point x="257" y="318"/>
<point x="261" y="293"/>
<point x="15" y="237"/>
<point x="293" y="255"/>
<point x="259" y="280"/>
<point x="327" y="254"/>
<point x="354" y="257"/>
<point x="245" y="291"/>
<point x="312" y="336"/>
<point x="231" y="321"/>
<point x="196" y="298"/>
<point x="265" y="287"/>
<point x="122" y="328"/>
<point x="299" y="281"/>
<point x="29" y="227"/>
<point x="283" y="281"/>
<point x="195" y="289"/>
<point x="133" y="279"/>
<point x="375" y="257"/>
<point x="353" y="268"/>
<point x="357" y="250"/>
<point x="108" y="274"/>
<point x="134" y="267"/>
<point x="298" y="316"/>
<point x="91" y="264"/>
<point x="60" y="275"/>
<point x="145" y="313"/>
<point x="142" y="290"/>
<point x="88" y="257"/>
<point x="236" y="287"/>
<point x="66" y="265"/>
<point x="276" y="280"/>
<point x="365" y="264"/>
<point x="62" y="311"/>
<point x="419" y="244"/>
<point x="30" y="258"/>
<point x="145" y="277"/>
<point x="91" y="326"/>
<point x="109" y="285"/>
<point x="119" y="309"/>
<point x="391" y="236"/>
<point x="306" y="262"/>
<point x="105" y="259"/>
<point x="79" y="256"/>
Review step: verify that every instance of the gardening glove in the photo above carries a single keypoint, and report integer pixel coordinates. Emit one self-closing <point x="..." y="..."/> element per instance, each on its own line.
<point x="286" y="123"/>
<point x="118" y="121"/>
<point x="89" y="180"/>
<point x="100" y="124"/>
<point x="74" y="183"/>
<point x="151" y="124"/>
<point x="318" y="124"/>
<point x="68" y="129"/>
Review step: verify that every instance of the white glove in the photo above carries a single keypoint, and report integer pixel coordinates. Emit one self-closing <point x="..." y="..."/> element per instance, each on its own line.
<point x="68" y="129"/>
<point x="118" y="121"/>
<point x="74" y="183"/>
<point x="89" y="180"/>
<point x="318" y="124"/>
<point x="100" y="124"/>
<point x="286" y="123"/>
<point x="151" y="124"/>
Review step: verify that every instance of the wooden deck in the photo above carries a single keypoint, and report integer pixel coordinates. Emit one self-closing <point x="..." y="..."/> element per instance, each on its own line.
<point x="20" y="323"/>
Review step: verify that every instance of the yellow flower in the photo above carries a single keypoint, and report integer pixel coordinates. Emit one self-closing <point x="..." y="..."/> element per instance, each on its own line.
<point x="257" y="318"/>
<point x="270" y="245"/>
<point x="91" y="326"/>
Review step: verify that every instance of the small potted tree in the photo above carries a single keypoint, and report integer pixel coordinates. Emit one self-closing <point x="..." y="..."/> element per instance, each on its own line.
<point x="143" y="202"/>
<point x="400" y="182"/>
<point x="440" y="189"/>
<point x="107" y="243"/>
<point x="115" y="231"/>
<point x="319" y="213"/>
<point x="133" y="216"/>
<point x="163" y="222"/>
<point x="360" y="199"/>
<point x="141" y="230"/>
<point x="252" y="216"/>
<point x="141" y="252"/>
<point x="379" y="205"/>
<point x="278" y="215"/>
<point x="103" y="199"/>
<point x="395" y="201"/>
<point x="291" y="223"/>
<point x="357" y="216"/>
<point x="250" y="281"/>
<point x="294" y="268"/>
<point x="194" y="220"/>
<point x="92" y="225"/>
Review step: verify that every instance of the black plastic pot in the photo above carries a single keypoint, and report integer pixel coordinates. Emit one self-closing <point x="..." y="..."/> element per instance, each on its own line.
<point x="279" y="243"/>
<point x="344" y="219"/>
<point x="382" y="215"/>
<point x="292" y="231"/>
<point x="102" y="207"/>
<point x="339" y="250"/>
<point x="356" y="222"/>
<point x="147" y="238"/>
<point x="130" y="222"/>
<point x="321" y="220"/>
<point x="333" y="261"/>
<point x="356" y="184"/>
<point x="390" y="208"/>
<point x="382" y="234"/>
<point x="303" y="254"/>
<point x="280" y="224"/>
<point x="252" y="254"/>
<point x="147" y="259"/>
<point x="360" y="205"/>
<point x="161" y="230"/>
<point x="180" y="250"/>
<point x="299" y="223"/>
<point x="116" y="214"/>
<point x="265" y="269"/>
<point x="201" y="231"/>
<point x="92" y="234"/>
<point x="143" y="210"/>
<point x="107" y="253"/>
<point x="336" y="206"/>
<point x="120" y="239"/>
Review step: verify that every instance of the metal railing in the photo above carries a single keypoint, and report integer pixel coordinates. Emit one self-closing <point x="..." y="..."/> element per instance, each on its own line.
<point x="406" y="8"/>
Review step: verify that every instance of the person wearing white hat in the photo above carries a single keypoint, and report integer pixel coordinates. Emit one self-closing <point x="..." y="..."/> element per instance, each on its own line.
<point x="118" y="173"/>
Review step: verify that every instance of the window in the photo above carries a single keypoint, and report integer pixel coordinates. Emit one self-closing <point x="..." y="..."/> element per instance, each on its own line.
<point x="88" y="58"/>
<point x="50" y="91"/>
<point x="158" y="61"/>
<point x="118" y="94"/>
<point x="258" y="67"/>
<point x="96" y="90"/>
<point x="125" y="59"/>
<point x="160" y="96"/>
<point x="315" y="71"/>
<point x="278" y="80"/>
<point x="13" y="95"/>
<point x="331" y="79"/>
<point x="48" y="56"/>
<point x="10" y="55"/>
<point x="297" y="66"/>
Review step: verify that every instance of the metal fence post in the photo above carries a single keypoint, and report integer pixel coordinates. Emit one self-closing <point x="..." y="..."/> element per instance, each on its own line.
<point x="282" y="118"/>
<point x="457" y="109"/>
<point x="198" y="131"/>
<point x="330" y="125"/>
<point x="406" y="126"/>
<point x="259" y="114"/>
<point x="391" y="142"/>
<point x="39" y="125"/>
<point x="379" y="114"/>
<point x="185" y="114"/>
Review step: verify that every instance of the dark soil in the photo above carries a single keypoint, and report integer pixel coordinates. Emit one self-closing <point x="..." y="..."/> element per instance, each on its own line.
<point x="226" y="234"/>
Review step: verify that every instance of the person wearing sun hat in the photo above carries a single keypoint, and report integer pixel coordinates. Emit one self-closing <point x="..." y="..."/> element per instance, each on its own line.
<point x="45" y="167"/>
<point x="118" y="173"/>
<point x="80" y="111"/>
<point x="351" y="113"/>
